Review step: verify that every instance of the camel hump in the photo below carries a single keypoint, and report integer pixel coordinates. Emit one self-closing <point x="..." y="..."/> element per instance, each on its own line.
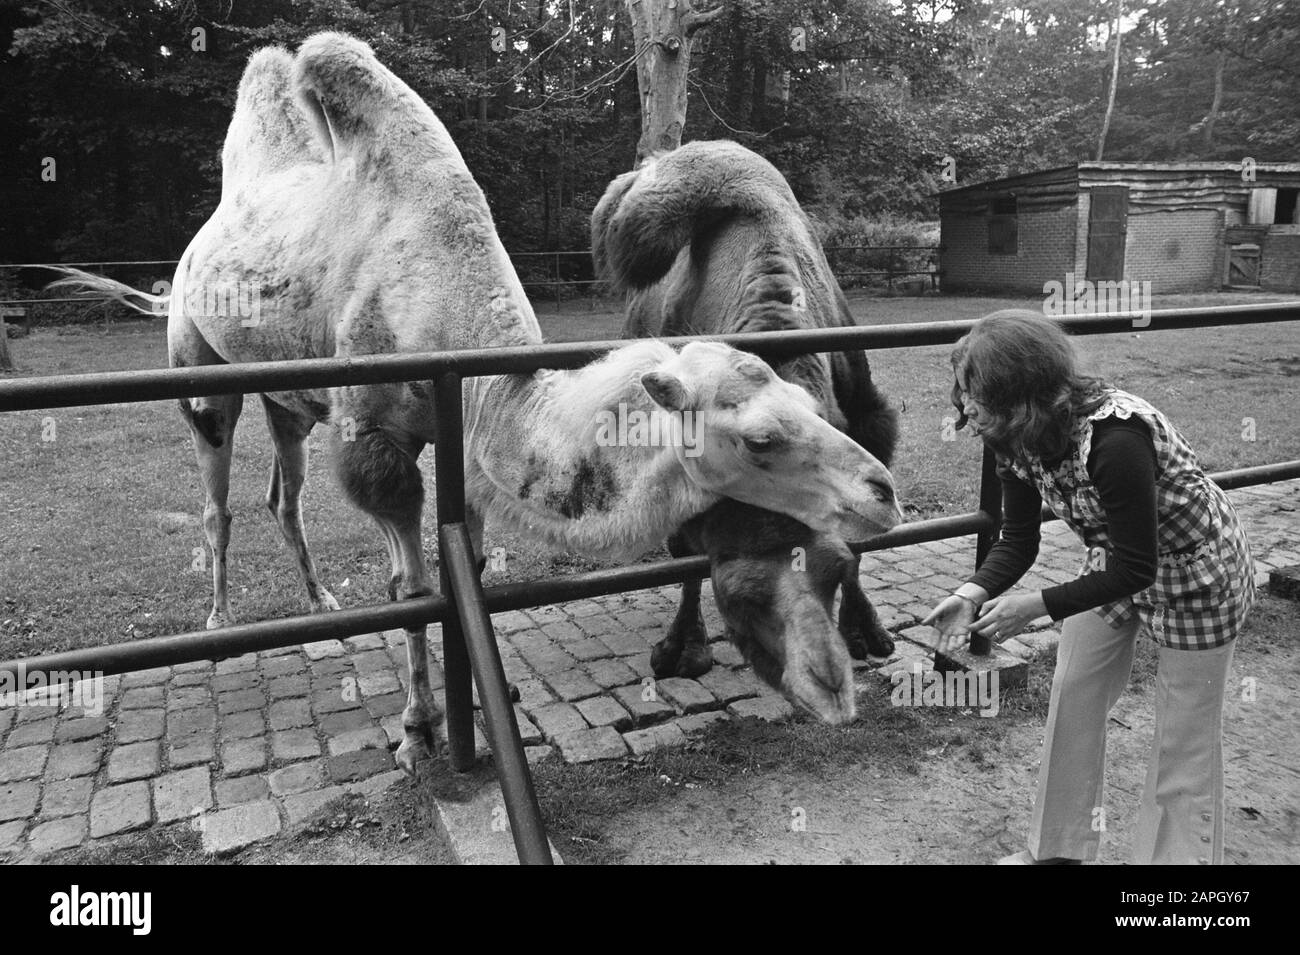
<point x="646" y="217"/>
<point x="349" y="95"/>
<point x="268" y="131"/>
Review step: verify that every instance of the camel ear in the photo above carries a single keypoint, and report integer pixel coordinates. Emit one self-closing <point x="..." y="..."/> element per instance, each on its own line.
<point x="668" y="392"/>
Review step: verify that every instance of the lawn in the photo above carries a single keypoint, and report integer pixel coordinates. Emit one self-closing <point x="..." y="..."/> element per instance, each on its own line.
<point x="100" y="539"/>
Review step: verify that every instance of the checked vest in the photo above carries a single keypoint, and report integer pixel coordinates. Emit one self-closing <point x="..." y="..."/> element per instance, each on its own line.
<point x="1205" y="579"/>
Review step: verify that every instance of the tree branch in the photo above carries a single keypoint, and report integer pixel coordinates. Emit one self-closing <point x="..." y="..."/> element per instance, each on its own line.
<point x="695" y="20"/>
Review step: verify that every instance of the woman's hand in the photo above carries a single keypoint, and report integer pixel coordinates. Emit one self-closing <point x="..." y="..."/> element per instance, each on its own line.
<point x="952" y="617"/>
<point x="1009" y="614"/>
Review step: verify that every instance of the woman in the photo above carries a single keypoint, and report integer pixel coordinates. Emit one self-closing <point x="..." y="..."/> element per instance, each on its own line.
<point x="1166" y="555"/>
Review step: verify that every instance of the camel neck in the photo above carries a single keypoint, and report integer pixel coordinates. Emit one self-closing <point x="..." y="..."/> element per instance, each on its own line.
<point x="540" y="453"/>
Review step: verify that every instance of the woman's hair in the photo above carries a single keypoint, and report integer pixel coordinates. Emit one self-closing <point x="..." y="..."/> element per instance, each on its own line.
<point x="1023" y="371"/>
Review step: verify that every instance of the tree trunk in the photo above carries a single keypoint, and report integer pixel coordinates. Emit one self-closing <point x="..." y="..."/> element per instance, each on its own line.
<point x="737" y="39"/>
<point x="546" y="205"/>
<point x="1212" y="116"/>
<point x="1114" y="82"/>
<point x="6" y="360"/>
<point x="758" y="86"/>
<point x="664" y="29"/>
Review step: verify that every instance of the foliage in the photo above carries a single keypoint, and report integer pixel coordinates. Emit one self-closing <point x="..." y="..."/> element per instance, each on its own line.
<point x="131" y="102"/>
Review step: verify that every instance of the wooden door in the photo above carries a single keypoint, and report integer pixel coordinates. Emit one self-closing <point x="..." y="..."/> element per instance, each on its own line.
<point x="1243" y="266"/>
<point x="1107" y="230"/>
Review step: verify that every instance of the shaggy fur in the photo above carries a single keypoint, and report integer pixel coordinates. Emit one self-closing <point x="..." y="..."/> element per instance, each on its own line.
<point x="709" y="239"/>
<point x="348" y="218"/>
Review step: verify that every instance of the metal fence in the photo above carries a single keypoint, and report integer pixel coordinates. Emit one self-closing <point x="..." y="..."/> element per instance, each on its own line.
<point x="569" y="270"/>
<point x="464" y="606"/>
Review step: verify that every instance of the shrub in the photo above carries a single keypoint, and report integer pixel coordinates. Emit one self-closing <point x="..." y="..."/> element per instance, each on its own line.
<point x="837" y="231"/>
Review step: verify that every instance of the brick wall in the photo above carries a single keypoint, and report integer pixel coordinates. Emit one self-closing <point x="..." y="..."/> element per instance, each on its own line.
<point x="1178" y="251"/>
<point x="1045" y="250"/>
<point x="1280" y="262"/>
<point x="1081" y="234"/>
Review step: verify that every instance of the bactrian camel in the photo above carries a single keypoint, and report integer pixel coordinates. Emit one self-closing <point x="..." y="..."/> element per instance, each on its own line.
<point x="709" y="239"/>
<point x="348" y="217"/>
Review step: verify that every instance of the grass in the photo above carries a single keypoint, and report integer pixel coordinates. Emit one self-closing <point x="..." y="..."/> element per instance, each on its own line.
<point x="393" y="827"/>
<point x="99" y="526"/>
<point x="159" y="845"/>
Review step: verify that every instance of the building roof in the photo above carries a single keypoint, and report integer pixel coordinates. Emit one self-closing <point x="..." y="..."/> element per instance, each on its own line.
<point x="1081" y="170"/>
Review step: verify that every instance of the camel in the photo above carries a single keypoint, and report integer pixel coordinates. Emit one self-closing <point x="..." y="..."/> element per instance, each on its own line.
<point x="709" y="239"/>
<point x="349" y="225"/>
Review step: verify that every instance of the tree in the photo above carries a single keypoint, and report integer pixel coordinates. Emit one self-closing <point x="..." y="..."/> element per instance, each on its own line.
<point x="663" y="31"/>
<point x="1114" y="80"/>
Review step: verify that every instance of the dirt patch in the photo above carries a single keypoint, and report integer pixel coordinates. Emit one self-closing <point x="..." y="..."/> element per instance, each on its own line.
<point x="928" y="785"/>
<point x="393" y="828"/>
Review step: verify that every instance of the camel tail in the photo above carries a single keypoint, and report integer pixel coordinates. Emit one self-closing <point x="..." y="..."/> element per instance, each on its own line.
<point x="90" y="285"/>
<point x="648" y="216"/>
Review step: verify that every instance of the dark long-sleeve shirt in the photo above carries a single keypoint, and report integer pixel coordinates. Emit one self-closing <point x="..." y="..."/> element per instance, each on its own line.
<point x="1122" y="466"/>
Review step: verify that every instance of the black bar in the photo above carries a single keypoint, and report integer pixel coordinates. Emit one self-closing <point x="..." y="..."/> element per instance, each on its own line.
<point x="62" y="391"/>
<point x="449" y="478"/>
<point x="290" y="631"/>
<point x="526" y="827"/>
<point x="991" y="506"/>
<point x="237" y="639"/>
<point x="1261" y="474"/>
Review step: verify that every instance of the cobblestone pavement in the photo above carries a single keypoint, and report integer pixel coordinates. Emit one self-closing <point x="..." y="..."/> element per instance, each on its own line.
<point x="248" y="747"/>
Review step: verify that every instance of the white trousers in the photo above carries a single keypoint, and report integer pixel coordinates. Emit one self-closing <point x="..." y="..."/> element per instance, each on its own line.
<point x="1180" y="819"/>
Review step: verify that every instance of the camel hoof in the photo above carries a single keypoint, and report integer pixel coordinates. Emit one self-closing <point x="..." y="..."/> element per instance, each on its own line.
<point x="325" y="604"/>
<point x="664" y="658"/>
<point x="857" y="646"/>
<point x="217" y="619"/>
<point x="415" y="747"/>
<point x="696" y="660"/>
<point x="878" y="643"/>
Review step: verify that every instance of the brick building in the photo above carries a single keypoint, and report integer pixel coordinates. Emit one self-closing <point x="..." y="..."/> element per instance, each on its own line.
<point x="1185" y="227"/>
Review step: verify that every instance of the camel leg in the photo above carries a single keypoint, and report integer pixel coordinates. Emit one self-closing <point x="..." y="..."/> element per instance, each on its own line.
<point x="474" y="524"/>
<point x="685" y="650"/>
<point x="212" y="426"/>
<point x="394" y="560"/>
<point x="380" y="476"/>
<point x="859" y="623"/>
<point x="288" y="472"/>
<point x="421" y="715"/>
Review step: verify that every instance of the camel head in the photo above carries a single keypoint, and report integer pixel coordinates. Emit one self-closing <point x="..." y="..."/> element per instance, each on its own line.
<point x="752" y="437"/>
<point x="774" y="581"/>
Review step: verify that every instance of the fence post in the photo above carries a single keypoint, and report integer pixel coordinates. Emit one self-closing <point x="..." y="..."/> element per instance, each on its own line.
<point x="990" y="506"/>
<point x="449" y="476"/>
<point x="6" y="360"/>
<point x="526" y="826"/>
<point x="557" y="281"/>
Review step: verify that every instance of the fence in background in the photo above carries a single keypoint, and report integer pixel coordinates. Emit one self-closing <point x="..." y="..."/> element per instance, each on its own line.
<point x="561" y="272"/>
<point x="464" y="606"/>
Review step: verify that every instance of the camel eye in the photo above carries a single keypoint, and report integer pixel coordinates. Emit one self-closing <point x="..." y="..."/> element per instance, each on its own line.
<point x="760" y="444"/>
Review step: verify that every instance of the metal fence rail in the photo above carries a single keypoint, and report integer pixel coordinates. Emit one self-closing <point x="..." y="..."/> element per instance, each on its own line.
<point x="464" y="605"/>
<point x="895" y="267"/>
